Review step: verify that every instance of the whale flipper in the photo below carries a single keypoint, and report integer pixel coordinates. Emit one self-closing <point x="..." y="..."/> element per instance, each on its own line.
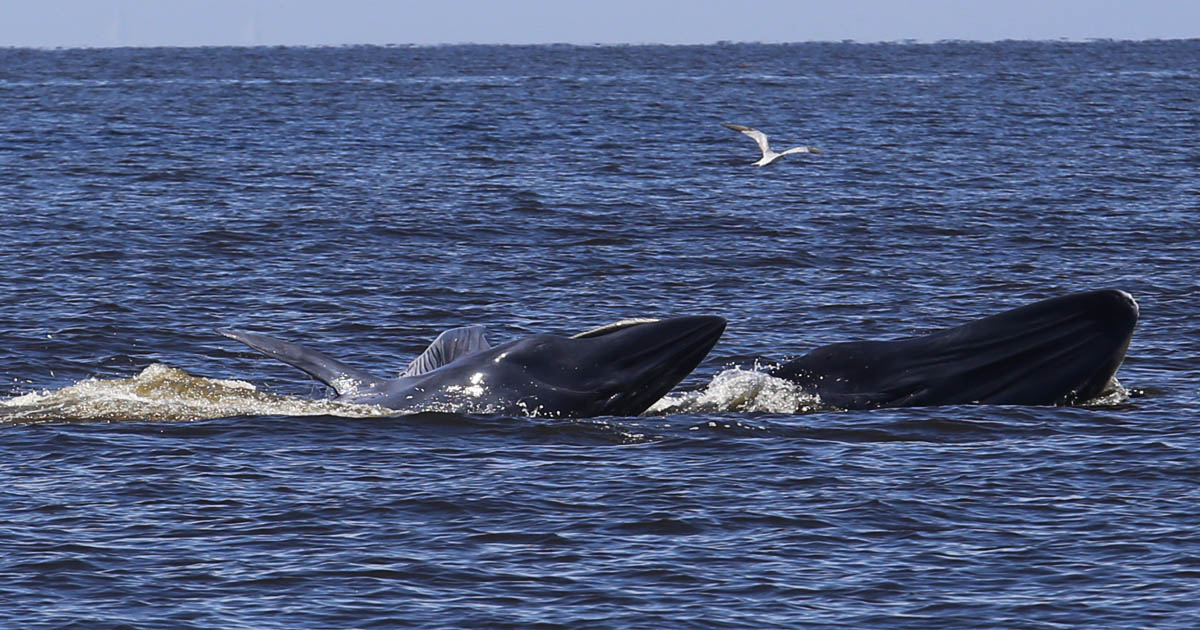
<point x="341" y="377"/>
<point x="448" y="347"/>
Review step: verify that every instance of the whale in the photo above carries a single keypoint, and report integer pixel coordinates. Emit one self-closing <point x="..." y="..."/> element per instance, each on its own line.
<point x="1059" y="351"/>
<point x="618" y="369"/>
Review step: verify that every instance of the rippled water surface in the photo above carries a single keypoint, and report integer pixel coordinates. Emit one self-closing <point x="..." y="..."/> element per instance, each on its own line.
<point x="361" y="200"/>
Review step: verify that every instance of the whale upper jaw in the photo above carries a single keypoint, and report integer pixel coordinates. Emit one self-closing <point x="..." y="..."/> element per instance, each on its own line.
<point x="655" y="357"/>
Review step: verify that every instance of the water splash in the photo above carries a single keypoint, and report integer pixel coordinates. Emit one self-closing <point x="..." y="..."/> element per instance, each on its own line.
<point x="740" y="390"/>
<point x="1112" y="395"/>
<point x="162" y="393"/>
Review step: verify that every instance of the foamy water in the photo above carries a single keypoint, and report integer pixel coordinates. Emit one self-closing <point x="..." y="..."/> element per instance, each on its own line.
<point x="161" y="393"/>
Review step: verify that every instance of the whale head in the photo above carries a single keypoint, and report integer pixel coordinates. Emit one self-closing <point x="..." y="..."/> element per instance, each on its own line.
<point x="618" y="370"/>
<point x="1062" y="350"/>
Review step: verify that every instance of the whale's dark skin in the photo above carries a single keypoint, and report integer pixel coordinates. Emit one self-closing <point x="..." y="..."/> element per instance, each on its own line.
<point x="1063" y="350"/>
<point x="617" y="370"/>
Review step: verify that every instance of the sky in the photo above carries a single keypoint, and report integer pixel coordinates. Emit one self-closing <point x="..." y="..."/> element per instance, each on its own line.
<point x="104" y="23"/>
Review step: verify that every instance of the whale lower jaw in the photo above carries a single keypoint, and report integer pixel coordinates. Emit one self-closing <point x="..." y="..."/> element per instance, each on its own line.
<point x="1062" y="350"/>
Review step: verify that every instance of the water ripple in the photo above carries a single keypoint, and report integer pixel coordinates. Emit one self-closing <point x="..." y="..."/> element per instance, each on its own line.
<point x="368" y="198"/>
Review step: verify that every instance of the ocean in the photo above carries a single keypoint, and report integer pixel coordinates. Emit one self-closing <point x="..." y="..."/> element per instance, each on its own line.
<point x="360" y="200"/>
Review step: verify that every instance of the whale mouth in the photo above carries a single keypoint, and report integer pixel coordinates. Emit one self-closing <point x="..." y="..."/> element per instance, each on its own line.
<point x="1062" y="350"/>
<point x="649" y="359"/>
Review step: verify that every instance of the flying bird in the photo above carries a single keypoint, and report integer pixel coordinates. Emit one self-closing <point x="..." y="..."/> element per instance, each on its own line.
<point x="760" y="138"/>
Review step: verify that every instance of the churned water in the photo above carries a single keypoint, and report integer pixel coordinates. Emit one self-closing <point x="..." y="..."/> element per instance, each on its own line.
<point x="361" y="200"/>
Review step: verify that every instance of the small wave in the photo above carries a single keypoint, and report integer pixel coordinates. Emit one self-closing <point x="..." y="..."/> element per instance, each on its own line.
<point x="161" y="393"/>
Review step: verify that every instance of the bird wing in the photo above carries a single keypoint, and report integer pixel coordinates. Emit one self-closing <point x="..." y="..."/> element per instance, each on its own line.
<point x="757" y="136"/>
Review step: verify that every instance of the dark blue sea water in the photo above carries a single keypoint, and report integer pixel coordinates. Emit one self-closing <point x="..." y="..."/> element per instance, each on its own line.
<point x="361" y="200"/>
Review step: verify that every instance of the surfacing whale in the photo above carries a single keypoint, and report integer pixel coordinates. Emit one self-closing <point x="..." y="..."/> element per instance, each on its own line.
<point x="615" y="370"/>
<point x="1063" y="350"/>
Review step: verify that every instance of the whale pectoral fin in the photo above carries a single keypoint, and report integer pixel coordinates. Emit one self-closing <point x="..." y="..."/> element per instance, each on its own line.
<point x="449" y="346"/>
<point x="341" y="377"/>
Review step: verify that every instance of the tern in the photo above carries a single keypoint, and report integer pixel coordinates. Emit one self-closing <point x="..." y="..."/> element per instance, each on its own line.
<point x="760" y="138"/>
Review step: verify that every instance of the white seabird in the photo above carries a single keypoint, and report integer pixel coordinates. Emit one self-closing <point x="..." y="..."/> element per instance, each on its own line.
<point x="760" y="138"/>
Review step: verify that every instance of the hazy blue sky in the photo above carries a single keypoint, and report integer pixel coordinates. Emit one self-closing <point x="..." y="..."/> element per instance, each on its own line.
<point x="54" y="23"/>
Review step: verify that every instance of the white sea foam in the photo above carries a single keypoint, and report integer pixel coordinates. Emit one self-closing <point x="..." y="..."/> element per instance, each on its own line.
<point x="1112" y="395"/>
<point x="164" y="393"/>
<point x="740" y="390"/>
